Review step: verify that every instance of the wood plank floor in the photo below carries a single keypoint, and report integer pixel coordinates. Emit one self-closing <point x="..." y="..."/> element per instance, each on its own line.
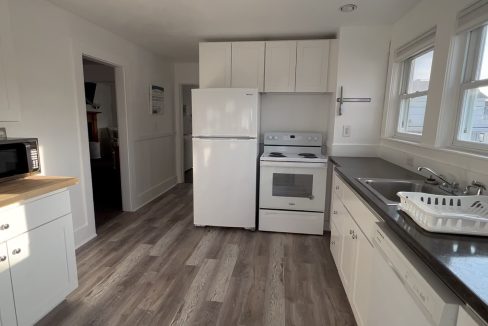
<point x="153" y="267"/>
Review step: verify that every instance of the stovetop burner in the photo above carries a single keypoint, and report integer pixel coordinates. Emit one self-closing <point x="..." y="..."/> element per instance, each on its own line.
<point x="308" y="155"/>
<point x="276" y="154"/>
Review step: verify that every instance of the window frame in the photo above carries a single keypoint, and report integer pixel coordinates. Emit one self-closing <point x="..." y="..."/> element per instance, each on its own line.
<point x="405" y="70"/>
<point x="471" y="63"/>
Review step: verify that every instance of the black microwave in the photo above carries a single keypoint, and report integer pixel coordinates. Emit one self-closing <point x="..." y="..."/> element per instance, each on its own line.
<point x="19" y="157"/>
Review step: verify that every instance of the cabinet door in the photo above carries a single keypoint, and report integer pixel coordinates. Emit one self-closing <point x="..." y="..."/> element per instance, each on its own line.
<point x="281" y="60"/>
<point x="363" y="277"/>
<point x="336" y="244"/>
<point x="215" y="64"/>
<point x="248" y="65"/>
<point x="9" y="89"/>
<point x="43" y="268"/>
<point x="348" y="260"/>
<point x="7" y="308"/>
<point x="312" y="66"/>
<point x="336" y="229"/>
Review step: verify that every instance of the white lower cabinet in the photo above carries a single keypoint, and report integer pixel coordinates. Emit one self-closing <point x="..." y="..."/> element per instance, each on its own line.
<point x="349" y="249"/>
<point x="363" y="274"/>
<point x="352" y="252"/>
<point x="7" y="307"/>
<point x="37" y="262"/>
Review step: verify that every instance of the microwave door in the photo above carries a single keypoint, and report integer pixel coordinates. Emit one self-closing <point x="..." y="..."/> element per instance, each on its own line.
<point x="13" y="160"/>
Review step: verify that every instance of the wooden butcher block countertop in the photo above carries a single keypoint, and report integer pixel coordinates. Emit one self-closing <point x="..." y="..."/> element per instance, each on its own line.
<point x="15" y="191"/>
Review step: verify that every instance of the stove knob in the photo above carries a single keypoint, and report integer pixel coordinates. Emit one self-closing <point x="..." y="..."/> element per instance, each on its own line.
<point x="275" y="137"/>
<point x="309" y="138"/>
<point x="315" y="138"/>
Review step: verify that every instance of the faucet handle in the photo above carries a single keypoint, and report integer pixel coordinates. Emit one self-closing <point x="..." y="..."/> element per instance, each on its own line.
<point x="480" y="185"/>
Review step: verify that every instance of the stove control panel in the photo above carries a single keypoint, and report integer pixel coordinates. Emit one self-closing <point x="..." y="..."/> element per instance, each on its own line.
<point x="293" y="138"/>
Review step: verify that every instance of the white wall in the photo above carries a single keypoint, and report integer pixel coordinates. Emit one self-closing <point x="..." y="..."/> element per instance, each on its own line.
<point x="361" y="70"/>
<point x="431" y="150"/>
<point x="295" y="112"/>
<point x="184" y="74"/>
<point x="47" y="41"/>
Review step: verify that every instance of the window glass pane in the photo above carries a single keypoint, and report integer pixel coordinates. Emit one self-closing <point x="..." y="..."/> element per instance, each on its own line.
<point x="293" y="185"/>
<point x="412" y="114"/>
<point x="483" y="72"/>
<point x="420" y="73"/>
<point x="474" y="117"/>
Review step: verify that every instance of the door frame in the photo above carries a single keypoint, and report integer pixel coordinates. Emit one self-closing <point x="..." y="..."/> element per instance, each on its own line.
<point x="180" y="142"/>
<point x="83" y="51"/>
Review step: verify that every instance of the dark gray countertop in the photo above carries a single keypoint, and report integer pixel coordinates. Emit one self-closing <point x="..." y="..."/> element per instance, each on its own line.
<point x="461" y="262"/>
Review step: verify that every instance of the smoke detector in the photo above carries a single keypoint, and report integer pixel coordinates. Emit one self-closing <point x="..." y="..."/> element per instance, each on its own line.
<point x="348" y="8"/>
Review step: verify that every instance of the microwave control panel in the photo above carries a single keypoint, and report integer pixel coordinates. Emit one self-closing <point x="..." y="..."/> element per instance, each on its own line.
<point x="34" y="154"/>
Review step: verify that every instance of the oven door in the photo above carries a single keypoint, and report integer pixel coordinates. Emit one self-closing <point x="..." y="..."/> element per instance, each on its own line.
<point x="293" y="186"/>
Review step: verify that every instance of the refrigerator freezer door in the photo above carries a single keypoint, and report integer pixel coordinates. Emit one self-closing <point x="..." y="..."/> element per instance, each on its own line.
<point x="224" y="182"/>
<point x="225" y="112"/>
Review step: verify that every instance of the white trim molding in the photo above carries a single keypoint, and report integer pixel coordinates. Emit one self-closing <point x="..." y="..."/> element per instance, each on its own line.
<point x="472" y="16"/>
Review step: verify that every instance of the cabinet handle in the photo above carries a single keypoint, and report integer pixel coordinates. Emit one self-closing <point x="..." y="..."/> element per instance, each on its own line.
<point x="351" y="231"/>
<point x="354" y="236"/>
<point x="16" y="251"/>
<point x="334" y="212"/>
<point x="3" y="258"/>
<point x="4" y="226"/>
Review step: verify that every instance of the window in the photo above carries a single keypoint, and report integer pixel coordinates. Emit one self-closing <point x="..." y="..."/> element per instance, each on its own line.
<point x="472" y="128"/>
<point x="414" y="89"/>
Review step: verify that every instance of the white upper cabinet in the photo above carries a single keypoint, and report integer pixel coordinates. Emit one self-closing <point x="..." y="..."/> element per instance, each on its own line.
<point x="215" y="64"/>
<point x="312" y="66"/>
<point x="9" y="90"/>
<point x="248" y="65"/>
<point x="281" y="59"/>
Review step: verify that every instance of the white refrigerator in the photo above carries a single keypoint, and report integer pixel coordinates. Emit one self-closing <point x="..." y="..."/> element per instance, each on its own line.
<point x="225" y="151"/>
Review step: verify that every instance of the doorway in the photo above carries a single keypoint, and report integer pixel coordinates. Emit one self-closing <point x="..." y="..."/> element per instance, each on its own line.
<point x="103" y="139"/>
<point x="186" y="113"/>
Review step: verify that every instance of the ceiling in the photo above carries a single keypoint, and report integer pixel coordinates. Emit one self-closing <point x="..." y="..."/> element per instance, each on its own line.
<point x="173" y="28"/>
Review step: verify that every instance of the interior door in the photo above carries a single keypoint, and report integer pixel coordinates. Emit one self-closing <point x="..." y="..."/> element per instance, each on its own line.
<point x="42" y="268"/>
<point x="224" y="182"/>
<point x="225" y="112"/>
<point x="7" y="308"/>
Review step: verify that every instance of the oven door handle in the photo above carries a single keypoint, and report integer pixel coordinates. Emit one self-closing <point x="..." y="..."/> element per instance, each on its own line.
<point x="293" y="164"/>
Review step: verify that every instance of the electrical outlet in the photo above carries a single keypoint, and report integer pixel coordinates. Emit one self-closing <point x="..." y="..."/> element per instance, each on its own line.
<point x="410" y="161"/>
<point x="346" y="131"/>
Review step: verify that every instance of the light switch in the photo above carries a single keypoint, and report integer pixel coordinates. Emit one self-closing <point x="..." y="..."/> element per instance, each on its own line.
<point x="346" y="131"/>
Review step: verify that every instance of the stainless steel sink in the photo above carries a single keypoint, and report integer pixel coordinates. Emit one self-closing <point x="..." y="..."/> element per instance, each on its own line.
<point x="386" y="189"/>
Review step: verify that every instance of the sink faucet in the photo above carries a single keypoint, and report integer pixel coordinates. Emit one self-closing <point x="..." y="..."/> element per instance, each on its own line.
<point x="450" y="185"/>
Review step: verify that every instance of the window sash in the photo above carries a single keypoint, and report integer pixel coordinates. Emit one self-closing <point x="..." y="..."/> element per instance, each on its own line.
<point x="403" y="114"/>
<point x="472" y="66"/>
<point x="463" y="124"/>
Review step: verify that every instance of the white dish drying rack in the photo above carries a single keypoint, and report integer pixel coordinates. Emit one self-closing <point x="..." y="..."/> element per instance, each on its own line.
<point x="447" y="214"/>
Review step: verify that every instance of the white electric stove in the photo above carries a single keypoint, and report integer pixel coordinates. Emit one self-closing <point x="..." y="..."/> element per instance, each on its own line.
<point x="292" y="183"/>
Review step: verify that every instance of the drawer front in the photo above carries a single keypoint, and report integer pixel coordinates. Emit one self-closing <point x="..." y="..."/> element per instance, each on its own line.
<point x="15" y="220"/>
<point x="361" y="214"/>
